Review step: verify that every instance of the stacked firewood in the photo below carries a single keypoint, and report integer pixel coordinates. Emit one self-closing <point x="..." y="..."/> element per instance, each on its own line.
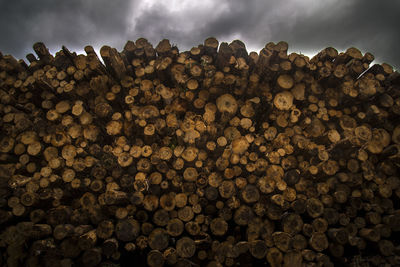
<point x="208" y="157"/>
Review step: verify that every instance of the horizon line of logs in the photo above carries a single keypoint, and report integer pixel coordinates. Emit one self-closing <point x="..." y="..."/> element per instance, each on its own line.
<point x="208" y="157"/>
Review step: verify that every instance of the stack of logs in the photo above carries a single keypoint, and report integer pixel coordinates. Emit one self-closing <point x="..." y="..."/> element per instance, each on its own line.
<point x="208" y="157"/>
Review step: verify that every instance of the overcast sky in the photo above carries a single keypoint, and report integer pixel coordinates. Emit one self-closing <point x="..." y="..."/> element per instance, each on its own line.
<point x="307" y="25"/>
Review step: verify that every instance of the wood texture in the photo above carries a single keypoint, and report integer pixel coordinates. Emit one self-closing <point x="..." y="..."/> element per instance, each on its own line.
<point x="209" y="157"/>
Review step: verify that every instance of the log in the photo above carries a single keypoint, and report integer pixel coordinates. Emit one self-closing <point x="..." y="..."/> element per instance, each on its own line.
<point x="42" y="52"/>
<point x="155" y="258"/>
<point x="292" y="224"/>
<point x="213" y="156"/>
<point x="274" y="257"/>
<point x="185" y="247"/>
<point x="91" y="257"/>
<point x="126" y="230"/>
<point x="158" y="239"/>
<point x="105" y="229"/>
<point x="218" y="226"/>
<point x="319" y="242"/>
<point x="258" y="249"/>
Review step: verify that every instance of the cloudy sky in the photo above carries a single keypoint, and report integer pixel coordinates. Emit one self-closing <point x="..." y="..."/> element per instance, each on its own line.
<point x="307" y="25"/>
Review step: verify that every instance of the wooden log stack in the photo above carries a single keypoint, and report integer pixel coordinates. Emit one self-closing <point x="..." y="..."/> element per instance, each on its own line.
<point x="208" y="157"/>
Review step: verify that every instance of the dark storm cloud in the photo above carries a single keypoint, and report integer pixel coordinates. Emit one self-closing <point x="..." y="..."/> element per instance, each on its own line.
<point x="307" y="25"/>
<point x="73" y="23"/>
<point x="368" y="25"/>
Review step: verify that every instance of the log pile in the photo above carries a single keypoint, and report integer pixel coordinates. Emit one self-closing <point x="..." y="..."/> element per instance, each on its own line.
<point x="208" y="157"/>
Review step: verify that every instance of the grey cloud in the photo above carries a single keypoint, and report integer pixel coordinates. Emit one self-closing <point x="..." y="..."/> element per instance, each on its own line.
<point x="307" y="25"/>
<point x="72" y="23"/>
<point x="368" y="25"/>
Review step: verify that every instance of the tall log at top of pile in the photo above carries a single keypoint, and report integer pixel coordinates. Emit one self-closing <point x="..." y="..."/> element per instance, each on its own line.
<point x="208" y="157"/>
